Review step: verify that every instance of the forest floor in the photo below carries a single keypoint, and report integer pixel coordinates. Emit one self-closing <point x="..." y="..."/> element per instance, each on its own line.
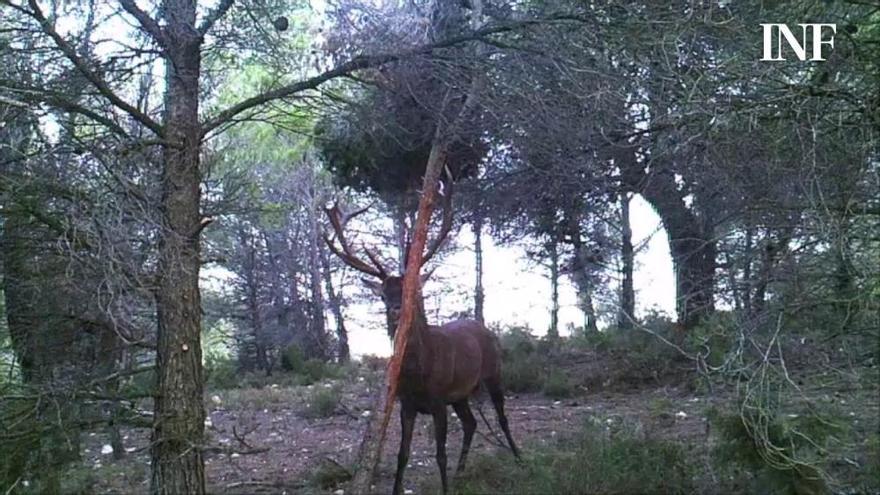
<point x="267" y="439"/>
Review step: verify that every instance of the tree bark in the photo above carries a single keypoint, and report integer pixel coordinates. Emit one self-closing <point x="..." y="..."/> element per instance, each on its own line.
<point x="479" y="294"/>
<point x="553" y="331"/>
<point x="318" y="334"/>
<point x="343" y="354"/>
<point x="691" y="243"/>
<point x="179" y="415"/>
<point x="627" y="292"/>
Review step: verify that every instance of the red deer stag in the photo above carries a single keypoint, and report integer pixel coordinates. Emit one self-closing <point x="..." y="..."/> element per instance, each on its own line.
<point x="442" y="365"/>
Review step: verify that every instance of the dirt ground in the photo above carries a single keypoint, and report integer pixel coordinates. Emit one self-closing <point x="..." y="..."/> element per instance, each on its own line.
<point x="263" y="441"/>
<point x="283" y="449"/>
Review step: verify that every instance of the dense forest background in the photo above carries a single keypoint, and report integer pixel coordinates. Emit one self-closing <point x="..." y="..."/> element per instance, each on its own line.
<point x="173" y="321"/>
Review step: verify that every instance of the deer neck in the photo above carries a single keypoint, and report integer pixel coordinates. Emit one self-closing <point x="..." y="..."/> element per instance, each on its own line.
<point x="418" y="352"/>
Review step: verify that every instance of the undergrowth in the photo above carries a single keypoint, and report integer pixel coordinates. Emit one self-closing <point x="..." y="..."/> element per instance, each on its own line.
<point x="596" y="461"/>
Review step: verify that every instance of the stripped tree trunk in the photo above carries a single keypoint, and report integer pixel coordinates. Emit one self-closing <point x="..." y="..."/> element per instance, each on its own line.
<point x="627" y="292"/>
<point x="553" y="331"/>
<point x="374" y="439"/>
<point x="479" y="294"/>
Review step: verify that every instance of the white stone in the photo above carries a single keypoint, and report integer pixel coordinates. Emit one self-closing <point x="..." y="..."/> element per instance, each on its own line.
<point x="216" y="399"/>
<point x="235" y="455"/>
<point x="107" y="449"/>
<point x="366" y="414"/>
<point x="339" y="492"/>
<point x="681" y="415"/>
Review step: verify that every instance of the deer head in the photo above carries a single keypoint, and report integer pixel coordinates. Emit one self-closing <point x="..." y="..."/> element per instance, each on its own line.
<point x="390" y="290"/>
<point x="388" y="287"/>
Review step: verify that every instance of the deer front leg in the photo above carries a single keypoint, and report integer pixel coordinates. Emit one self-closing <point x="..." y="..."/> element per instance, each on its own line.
<point x="407" y="422"/>
<point x="469" y="426"/>
<point x="439" y="413"/>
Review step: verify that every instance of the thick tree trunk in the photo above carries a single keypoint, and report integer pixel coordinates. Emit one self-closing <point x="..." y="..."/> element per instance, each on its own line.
<point x="581" y="277"/>
<point x="553" y="331"/>
<point x="179" y="416"/>
<point x="691" y="244"/>
<point x="343" y="354"/>
<point x="479" y="294"/>
<point x="627" y="292"/>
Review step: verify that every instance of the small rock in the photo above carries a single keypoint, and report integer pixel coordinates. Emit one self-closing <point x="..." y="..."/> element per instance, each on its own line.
<point x="107" y="449"/>
<point x="209" y="423"/>
<point x="557" y="402"/>
<point x="339" y="492"/>
<point x="366" y="414"/>
<point x="235" y="455"/>
<point x="216" y="399"/>
<point x="681" y="415"/>
<point x="407" y="491"/>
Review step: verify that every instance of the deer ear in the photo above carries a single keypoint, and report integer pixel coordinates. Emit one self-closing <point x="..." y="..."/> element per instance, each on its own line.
<point x="374" y="286"/>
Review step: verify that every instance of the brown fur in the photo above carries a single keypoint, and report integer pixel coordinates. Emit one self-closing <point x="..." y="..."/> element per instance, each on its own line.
<point x="442" y="365"/>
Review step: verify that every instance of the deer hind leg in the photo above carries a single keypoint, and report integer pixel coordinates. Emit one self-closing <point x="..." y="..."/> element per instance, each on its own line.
<point x="440" y="425"/>
<point x="497" y="396"/>
<point x="469" y="425"/>
<point x="407" y="423"/>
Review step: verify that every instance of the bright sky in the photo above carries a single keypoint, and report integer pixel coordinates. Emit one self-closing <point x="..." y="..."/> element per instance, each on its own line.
<point x="517" y="293"/>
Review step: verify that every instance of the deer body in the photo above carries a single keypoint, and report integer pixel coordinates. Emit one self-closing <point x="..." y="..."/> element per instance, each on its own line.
<point x="442" y="365"/>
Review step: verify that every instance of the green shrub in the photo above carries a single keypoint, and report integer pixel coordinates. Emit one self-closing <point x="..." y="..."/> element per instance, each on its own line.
<point x="322" y="402"/>
<point x="784" y="452"/>
<point x="595" y="460"/>
<point x="521" y="365"/>
<point x="517" y="341"/>
<point x="221" y="374"/>
<point x="293" y="359"/>
<point x="557" y="385"/>
<point x="598" y="341"/>
<point x="522" y="374"/>
<point x="330" y="474"/>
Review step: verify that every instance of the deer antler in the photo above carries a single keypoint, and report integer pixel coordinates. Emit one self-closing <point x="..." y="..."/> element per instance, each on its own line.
<point x="446" y="223"/>
<point x="339" y="219"/>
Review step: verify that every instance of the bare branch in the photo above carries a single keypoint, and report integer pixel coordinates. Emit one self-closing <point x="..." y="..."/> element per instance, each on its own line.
<point x="214" y="16"/>
<point x="84" y="69"/>
<point x="366" y="62"/>
<point x="146" y="22"/>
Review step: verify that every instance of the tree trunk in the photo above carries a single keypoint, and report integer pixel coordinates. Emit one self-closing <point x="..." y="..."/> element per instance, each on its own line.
<point x="581" y="270"/>
<point x="479" y="294"/>
<point x="627" y="292"/>
<point x="691" y="244"/>
<point x="553" y="331"/>
<point x="343" y="353"/>
<point x="317" y="333"/>
<point x="179" y="415"/>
